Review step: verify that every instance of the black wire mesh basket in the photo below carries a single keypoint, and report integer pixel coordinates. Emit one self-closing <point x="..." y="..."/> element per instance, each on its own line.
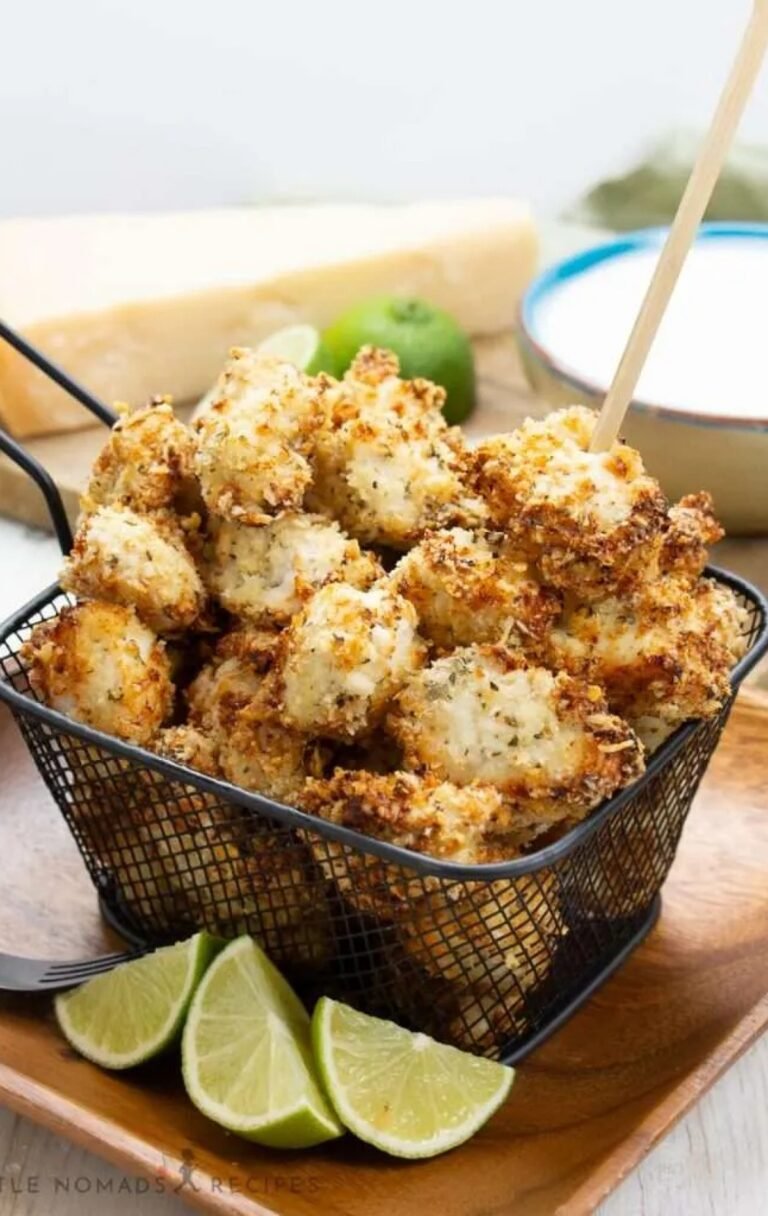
<point x="491" y="958"/>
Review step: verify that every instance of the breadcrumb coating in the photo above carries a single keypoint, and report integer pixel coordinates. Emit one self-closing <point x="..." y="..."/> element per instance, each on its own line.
<point x="666" y="651"/>
<point x="266" y="757"/>
<point x="344" y="657"/>
<point x="212" y="867"/>
<point x="482" y="714"/>
<point x="141" y="561"/>
<point x="387" y="465"/>
<point x="590" y="519"/>
<point x="265" y="574"/>
<point x="186" y="744"/>
<point x="232" y="681"/>
<point x="691" y="528"/>
<point x="146" y="461"/>
<point x="254" y="440"/>
<point x="471" y="825"/>
<point x="99" y="664"/>
<point x="473" y="587"/>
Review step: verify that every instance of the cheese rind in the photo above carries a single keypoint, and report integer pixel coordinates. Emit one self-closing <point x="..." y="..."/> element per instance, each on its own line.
<point x="133" y="305"/>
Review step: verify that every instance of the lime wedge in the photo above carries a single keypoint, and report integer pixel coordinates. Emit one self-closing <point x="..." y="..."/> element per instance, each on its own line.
<point x="132" y="1013"/>
<point x="246" y="1054"/>
<point x="404" y="1093"/>
<point x="300" y="345"/>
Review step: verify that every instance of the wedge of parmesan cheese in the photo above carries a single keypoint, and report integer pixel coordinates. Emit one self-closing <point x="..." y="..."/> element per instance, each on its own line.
<point x="133" y="305"/>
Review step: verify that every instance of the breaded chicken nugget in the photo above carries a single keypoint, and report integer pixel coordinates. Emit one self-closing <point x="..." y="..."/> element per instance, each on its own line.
<point x="233" y="700"/>
<point x="482" y="714"/>
<point x="146" y="461"/>
<point x="262" y="755"/>
<point x="186" y="744"/>
<point x="665" y="652"/>
<point x="344" y="657"/>
<point x="387" y="465"/>
<point x="592" y="520"/>
<point x="141" y="561"/>
<point x="691" y="528"/>
<point x="253" y="441"/>
<point x="231" y="681"/>
<point x="98" y="663"/>
<point x="472" y="587"/>
<point x="265" y="574"/>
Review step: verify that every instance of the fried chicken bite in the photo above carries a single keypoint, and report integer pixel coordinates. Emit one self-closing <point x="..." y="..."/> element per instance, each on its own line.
<point x="145" y="463"/>
<point x="140" y="561"/>
<point x="473" y="587"/>
<point x="233" y="701"/>
<point x="546" y="740"/>
<point x="99" y="664"/>
<point x="665" y="652"/>
<point x="262" y="755"/>
<point x="265" y="574"/>
<point x="387" y="466"/>
<point x="186" y="744"/>
<point x="592" y="521"/>
<point x="254" y="440"/>
<point x="343" y="657"/>
<point x="231" y="681"/>
<point x="471" y="825"/>
<point x="691" y="528"/>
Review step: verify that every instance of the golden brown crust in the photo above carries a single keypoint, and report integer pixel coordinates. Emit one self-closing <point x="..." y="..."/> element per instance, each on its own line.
<point x="473" y="587"/>
<point x="265" y="574"/>
<point x="692" y="528"/>
<point x="255" y="438"/>
<point x="386" y="465"/>
<point x="593" y="521"/>
<point x="140" y="560"/>
<point x="666" y="651"/>
<point x="342" y="659"/>
<point x="145" y="463"/>
<point x="99" y="664"/>
<point x="547" y="741"/>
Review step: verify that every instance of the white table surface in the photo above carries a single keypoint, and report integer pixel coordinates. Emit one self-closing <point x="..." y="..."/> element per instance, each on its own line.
<point x="715" y="1163"/>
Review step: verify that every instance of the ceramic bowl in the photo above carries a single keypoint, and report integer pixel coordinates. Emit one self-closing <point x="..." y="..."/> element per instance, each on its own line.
<point x="686" y="448"/>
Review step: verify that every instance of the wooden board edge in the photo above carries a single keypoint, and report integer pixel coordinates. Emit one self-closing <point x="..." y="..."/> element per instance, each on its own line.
<point x="620" y="1163"/>
<point x="65" y="1117"/>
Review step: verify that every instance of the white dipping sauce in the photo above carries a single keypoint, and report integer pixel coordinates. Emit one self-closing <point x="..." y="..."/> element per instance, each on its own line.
<point x="709" y="356"/>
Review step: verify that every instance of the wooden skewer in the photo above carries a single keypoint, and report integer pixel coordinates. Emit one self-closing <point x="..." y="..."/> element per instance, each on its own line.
<point x="684" y="227"/>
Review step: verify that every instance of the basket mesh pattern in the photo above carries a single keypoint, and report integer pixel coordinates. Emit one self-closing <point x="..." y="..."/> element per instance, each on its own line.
<point x="484" y="963"/>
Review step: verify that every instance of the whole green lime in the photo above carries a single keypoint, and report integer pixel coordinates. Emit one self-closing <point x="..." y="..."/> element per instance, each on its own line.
<point x="427" y="341"/>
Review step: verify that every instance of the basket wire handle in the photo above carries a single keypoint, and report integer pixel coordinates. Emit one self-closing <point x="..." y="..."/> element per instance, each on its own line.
<point x="24" y="459"/>
<point x="43" y="479"/>
<point x="58" y="375"/>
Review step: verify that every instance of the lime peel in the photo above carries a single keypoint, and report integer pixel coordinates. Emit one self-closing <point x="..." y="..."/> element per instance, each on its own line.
<point x="404" y="1093"/>
<point x="247" y="1038"/>
<point x="128" y="1015"/>
<point x="300" y="345"/>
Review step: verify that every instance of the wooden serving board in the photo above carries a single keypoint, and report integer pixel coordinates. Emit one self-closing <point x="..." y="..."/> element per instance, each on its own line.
<point x="585" y="1108"/>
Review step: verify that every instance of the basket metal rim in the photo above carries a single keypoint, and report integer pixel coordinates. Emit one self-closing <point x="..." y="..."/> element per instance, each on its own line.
<point x="394" y="854"/>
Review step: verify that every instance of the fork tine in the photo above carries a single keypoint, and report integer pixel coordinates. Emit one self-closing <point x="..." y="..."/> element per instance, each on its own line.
<point x="65" y="975"/>
<point x="84" y="964"/>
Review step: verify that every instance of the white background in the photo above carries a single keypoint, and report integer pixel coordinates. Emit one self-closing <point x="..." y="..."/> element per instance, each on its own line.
<point x="110" y="104"/>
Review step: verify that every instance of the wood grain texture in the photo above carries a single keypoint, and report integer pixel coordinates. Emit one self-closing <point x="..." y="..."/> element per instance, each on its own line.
<point x="585" y="1108"/>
